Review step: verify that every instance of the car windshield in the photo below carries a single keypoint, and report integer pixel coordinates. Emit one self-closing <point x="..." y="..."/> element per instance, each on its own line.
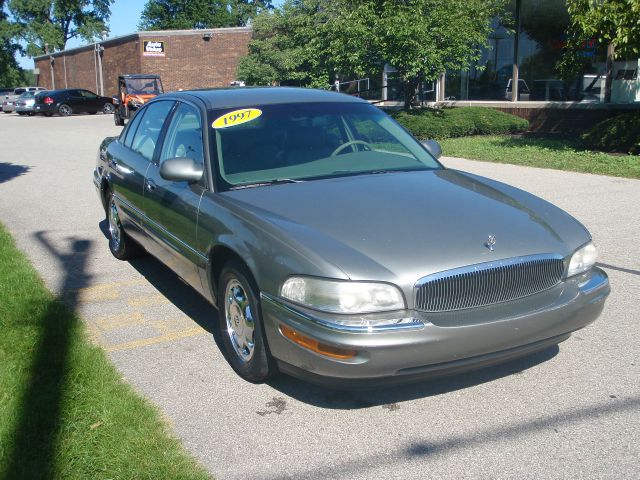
<point x="299" y="142"/>
<point x="143" y="86"/>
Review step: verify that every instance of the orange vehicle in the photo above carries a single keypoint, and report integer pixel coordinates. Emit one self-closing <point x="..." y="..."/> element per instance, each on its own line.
<point x="135" y="90"/>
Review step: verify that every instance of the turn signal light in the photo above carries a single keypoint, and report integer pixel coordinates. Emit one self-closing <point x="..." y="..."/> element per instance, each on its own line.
<point x="315" y="346"/>
<point x="48" y="101"/>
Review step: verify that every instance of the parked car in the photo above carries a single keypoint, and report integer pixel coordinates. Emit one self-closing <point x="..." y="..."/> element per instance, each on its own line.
<point x="70" y="101"/>
<point x="9" y="102"/>
<point x="335" y="245"/>
<point x="25" y="104"/>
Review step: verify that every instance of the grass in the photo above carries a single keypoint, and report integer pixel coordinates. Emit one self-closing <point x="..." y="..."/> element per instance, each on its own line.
<point x="65" y="412"/>
<point x="557" y="153"/>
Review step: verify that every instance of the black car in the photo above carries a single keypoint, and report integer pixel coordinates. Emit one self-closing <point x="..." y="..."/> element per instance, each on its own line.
<point x="69" y="101"/>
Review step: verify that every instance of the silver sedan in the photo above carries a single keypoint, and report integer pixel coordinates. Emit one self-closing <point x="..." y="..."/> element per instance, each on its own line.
<point x="335" y="246"/>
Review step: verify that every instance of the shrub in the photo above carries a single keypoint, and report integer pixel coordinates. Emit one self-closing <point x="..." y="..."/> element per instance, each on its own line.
<point x="459" y="122"/>
<point x="617" y="134"/>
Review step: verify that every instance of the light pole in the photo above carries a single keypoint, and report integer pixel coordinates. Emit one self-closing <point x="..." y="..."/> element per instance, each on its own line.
<point x="99" y="51"/>
<point x="53" y="78"/>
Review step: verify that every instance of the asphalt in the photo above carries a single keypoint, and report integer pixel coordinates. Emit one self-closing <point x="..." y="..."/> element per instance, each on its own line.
<point x="569" y="412"/>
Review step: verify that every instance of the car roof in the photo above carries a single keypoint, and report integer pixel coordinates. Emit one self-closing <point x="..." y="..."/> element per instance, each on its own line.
<point x="241" y="97"/>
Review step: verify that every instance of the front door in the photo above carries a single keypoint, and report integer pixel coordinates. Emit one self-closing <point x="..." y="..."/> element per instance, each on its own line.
<point x="131" y="156"/>
<point x="172" y="207"/>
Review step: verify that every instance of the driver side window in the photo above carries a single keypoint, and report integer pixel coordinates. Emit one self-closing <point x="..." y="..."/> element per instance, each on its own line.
<point x="184" y="135"/>
<point x="146" y="136"/>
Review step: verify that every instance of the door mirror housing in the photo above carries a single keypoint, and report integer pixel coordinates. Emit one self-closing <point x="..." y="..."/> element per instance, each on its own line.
<point x="181" y="169"/>
<point x="433" y="147"/>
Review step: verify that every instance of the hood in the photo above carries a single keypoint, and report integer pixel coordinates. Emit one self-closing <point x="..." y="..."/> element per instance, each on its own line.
<point x="399" y="227"/>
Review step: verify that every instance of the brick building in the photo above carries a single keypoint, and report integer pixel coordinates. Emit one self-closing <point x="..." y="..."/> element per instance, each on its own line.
<point x="185" y="59"/>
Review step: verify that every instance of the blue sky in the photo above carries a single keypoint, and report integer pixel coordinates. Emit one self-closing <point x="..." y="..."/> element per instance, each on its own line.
<point x="125" y="15"/>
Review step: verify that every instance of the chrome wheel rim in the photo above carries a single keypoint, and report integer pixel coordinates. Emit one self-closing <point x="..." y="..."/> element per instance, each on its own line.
<point x="114" y="226"/>
<point x="239" y="318"/>
<point x="108" y="108"/>
<point x="64" y="110"/>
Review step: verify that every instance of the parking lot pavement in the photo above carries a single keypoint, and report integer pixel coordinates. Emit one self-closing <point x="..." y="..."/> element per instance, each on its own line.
<point x="572" y="412"/>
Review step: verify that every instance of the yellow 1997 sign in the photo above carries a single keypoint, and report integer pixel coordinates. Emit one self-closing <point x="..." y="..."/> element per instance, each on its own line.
<point x="236" y="117"/>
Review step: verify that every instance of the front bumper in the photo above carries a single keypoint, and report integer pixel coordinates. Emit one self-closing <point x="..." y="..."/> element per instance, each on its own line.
<point x="440" y="343"/>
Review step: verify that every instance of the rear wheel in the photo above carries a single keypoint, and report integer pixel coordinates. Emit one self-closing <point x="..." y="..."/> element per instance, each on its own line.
<point x="241" y="325"/>
<point x="122" y="246"/>
<point x="118" y="120"/>
<point x="65" y="110"/>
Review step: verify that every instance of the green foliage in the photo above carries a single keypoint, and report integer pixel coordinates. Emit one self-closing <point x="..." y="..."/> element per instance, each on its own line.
<point x="617" y="134"/>
<point x="285" y="48"/>
<point x="64" y="410"/>
<point x="557" y="153"/>
<point x="10" y="72"/>
<point x="310" y="41"/>
<point x="459" y="122"/>
<point x="190" y="14"/>
<point x="614" y="22"/>
<point x="54" y="22"/>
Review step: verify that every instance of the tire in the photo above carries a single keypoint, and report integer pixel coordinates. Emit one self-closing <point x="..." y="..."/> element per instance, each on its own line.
<point x="31" y="114"/>
<point x="65" y="110"/>
<point x="48" y="114"/>
<point x="21" y="113"/>
<point x="122" y="246"/>
<point x="118" y="120"/>
<point x="107" y="109"/>
<point x="245" y="345"/>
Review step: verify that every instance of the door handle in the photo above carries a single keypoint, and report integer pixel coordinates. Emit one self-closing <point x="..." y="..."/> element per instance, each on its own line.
<point x="150" y="185"/>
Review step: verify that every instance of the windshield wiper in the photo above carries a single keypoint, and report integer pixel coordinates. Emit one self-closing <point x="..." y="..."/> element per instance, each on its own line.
<point x="277" y="181"/>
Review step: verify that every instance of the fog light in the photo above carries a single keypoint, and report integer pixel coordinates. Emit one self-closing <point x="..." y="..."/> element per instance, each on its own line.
<point x="315" y="346"/>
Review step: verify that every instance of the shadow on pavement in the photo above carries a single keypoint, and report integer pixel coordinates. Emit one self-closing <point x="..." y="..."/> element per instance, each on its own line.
<point x="39" y="422"/>
<point x="388" y="396"/>
<point x="9" y="171"/>
<point x="422" y="449"/>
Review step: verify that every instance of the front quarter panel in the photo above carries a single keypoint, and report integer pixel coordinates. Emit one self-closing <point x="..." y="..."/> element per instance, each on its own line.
<point x="268" y="252"/>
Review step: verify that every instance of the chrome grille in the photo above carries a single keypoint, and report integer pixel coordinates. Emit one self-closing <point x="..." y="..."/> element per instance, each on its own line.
<point x="488" y="283"/>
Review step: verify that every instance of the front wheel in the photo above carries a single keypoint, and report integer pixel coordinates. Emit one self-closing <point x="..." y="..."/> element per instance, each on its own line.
<point x="241" y="325"/>
<point x="122" y="246"/>
<point x="107" y="109"/>
<point x="65" y="110"/>
<point x="118" y="120"/>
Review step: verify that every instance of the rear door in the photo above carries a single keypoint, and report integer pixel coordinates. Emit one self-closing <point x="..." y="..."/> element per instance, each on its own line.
<point x="171" y="208"/>
<point x="129" y="159"/>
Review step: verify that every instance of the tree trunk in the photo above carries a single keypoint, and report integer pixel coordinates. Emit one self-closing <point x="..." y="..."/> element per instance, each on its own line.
<point x="409" y="92"/>
<point x="609" y="78"/>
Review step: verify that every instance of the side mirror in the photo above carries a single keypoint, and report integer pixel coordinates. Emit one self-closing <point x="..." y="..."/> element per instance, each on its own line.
<point x="181" y="169"/>
<point x="433" y="148"/>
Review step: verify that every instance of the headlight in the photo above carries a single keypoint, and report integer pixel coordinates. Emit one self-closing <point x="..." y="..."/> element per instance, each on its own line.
<point x="582" y="260"/>
<point x="346" y="297"/>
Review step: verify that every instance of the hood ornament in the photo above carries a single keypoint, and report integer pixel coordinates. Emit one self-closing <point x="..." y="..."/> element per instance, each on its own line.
<point x="491" y="242"/>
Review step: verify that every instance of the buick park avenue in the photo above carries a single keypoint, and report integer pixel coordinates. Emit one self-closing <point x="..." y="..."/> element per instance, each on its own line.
<point x="334" y="245"/>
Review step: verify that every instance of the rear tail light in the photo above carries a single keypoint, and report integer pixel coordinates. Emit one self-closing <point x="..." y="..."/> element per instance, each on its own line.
<point x="49" y="101"/>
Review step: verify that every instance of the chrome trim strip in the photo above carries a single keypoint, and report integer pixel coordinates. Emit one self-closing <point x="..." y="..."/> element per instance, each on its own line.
<point x="415" y="324"/>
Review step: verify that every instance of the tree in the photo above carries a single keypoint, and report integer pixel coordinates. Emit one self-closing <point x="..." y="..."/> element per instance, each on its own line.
<point x="50" y="24"/>
<point x="10" y="72"/>
<point x="194" y="14"/>
<point x="615" y="23"/>
<point x="286" y="47"/>
<point x="421" y="39"/>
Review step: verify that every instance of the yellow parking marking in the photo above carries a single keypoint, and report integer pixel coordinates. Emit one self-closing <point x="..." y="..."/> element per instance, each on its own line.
<point x="192" y="332"/>
<point x="105" y="291"/>
<point x="147" y="300"/>
<point x="112" y="322"/>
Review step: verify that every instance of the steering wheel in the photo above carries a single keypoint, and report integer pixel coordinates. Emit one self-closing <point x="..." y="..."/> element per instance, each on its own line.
<point x="348" y="144"/>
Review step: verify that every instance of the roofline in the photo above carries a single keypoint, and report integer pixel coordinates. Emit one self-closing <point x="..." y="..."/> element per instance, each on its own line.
<point x="144" y="34"/>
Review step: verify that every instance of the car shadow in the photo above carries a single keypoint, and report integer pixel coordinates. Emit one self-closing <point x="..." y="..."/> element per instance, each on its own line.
<point x="389" y="397"/>
<point x="9" y="171"/>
